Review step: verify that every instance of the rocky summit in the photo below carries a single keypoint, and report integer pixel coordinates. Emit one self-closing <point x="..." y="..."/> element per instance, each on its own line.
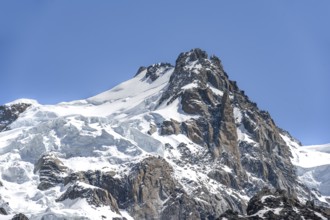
<point x="178" y="141"/>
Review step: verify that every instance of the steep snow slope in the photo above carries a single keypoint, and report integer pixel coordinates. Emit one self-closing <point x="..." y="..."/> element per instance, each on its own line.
<point x="173" y="140"/>
<point x="320" y="148"/>
<point x="313" y="165"/>
<point x="317" y="176"/>
<point x="101" y="133"/>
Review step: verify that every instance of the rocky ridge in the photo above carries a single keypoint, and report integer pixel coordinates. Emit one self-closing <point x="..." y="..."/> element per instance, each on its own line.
<point x="9" y="113"/>
<point x="186" y="143"/>
<point x="277" y="204"/>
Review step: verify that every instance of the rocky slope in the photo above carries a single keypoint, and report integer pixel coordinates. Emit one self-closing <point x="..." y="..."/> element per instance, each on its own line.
<point x="174" y="142"/>
<point x="276" y="205"/>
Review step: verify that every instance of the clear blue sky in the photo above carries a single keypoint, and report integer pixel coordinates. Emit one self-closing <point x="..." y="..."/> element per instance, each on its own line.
<point x="277" y="51"/>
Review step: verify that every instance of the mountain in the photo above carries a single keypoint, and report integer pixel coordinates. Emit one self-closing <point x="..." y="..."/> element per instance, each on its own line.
<point x="174" y="142"/>
<point x="313" y="166"/>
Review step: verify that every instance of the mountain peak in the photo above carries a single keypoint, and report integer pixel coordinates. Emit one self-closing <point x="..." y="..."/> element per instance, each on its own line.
<point x="191" y="56"/>
<point x="194" y="69"/>
<point x="172" y="142"/>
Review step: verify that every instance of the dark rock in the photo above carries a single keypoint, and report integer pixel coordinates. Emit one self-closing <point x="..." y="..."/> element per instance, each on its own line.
<point x="8" y="114"/>
<point x="193" y="132"/>
<point x="154" y="71"/>
<point x="224" y="178"/>
<point x="230" y="215"/>
<point x="191" y="56"/>
<point x="117" y="188"/>
<point x="149" y="192"/>
<point x="279" y="204"/>
<point x="142" y="68"/>
<point x="153" y="129"/>
<point x="50" y="170"/>
<point x="94" y="195"/>
<point x="170" y="127"/>
<point x="184" y="150"/>
<point x="3" y="211"/>
<point x="20" y="216"/>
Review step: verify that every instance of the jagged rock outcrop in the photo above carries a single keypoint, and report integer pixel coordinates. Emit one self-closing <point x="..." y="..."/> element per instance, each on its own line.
<point x="149" y="192"/>
<point x="232" y="127"/>
<point x="95" y="196"/>
<point x="20" y="216"/>
<point x="155" y="70"/>
<point x="277" y="205"/>
<point x="156" y="195"/>
<point x="9" y="113"/>
<point x="3" y="211"/>
<point x="170" y="127"/>
<point x="51" y="171"/>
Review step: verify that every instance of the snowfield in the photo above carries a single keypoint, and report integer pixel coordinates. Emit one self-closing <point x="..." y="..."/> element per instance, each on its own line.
<point x="313" y="165"/>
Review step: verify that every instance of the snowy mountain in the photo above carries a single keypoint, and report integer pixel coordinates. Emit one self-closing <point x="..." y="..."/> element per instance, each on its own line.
<point x="174" y="142"/>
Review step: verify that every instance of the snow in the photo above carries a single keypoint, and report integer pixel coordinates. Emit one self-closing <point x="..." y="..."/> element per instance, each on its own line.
<point x="227" y="169"/>
<point x="313" y="165"/>
<point x="137" y="87"/>
<point x="106" y="132"/>
<point x="6" y="217"/>
<point x="320" y="215"/>
<point x="307" y="157"/>
<point x="174" y="111"/>
<point x="238" y="115"/>
<point x="190" y="86"/>
<point x="319" y="148"/>
<point x="262" y="212"/>
<point x="215" y="90"/>
<point x="243" y="135"/>
<point x="263" y="199"/>
<point x="193" y="65"/>
<point x="25" y="101"/>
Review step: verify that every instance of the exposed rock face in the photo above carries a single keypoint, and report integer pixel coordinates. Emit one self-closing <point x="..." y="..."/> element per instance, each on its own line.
<point x="170" y="127"/>
<point x="51" y="171"/>
<point x="99" y="189"/>
<point x="149" y="192"/>
<point x="3" y="211"/>
<point x="228" y="135"/>
<point x="156" y="195"/>
<point x="155" y="70"/>
<point x="20" y="216"/>
<point x="94" y="195"/>
<point x="276" y="205"/>
<point x="9" y="114"/>
<point x="235" y="131"/>
<point x="232" y="127"/>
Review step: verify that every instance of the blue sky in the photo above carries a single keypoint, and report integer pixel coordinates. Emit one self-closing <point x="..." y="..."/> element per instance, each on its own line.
<point x="277" y="51"/>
